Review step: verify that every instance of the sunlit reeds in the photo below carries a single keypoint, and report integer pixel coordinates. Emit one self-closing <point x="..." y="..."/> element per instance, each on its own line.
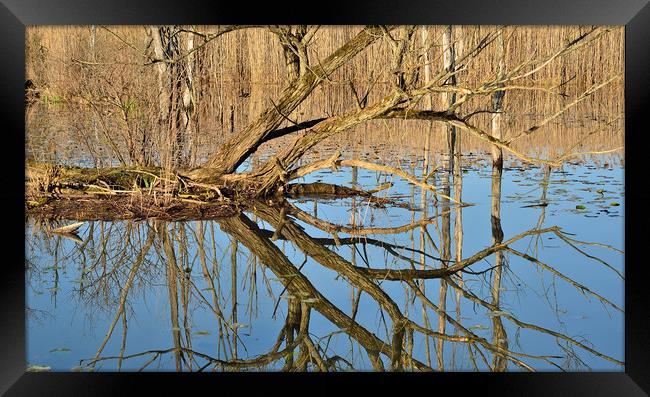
<point x="100" y="72"/>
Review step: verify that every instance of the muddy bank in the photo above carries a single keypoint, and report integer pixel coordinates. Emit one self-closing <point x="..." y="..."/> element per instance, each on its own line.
<point x="120" y="193"/>
<point x="129" y="207"/>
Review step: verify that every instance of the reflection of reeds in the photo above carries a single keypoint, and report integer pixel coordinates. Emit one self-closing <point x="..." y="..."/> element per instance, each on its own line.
<point x="119" y="265"/>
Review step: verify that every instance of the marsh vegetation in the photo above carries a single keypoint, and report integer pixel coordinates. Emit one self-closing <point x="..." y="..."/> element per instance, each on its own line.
<point x="325" y="198"/>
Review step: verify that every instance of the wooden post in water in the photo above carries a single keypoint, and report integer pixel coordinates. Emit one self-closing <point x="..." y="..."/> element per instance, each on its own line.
<point x="425" y="172"/>
<point x="497" y="102"/>
<point x="449" y="58"/>
<point x="499" y="336"/>
<point x="458" y="210"/>
<point x="449" y="62"/>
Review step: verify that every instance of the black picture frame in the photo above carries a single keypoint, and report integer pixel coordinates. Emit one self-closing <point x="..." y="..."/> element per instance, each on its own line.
<point x="15" y="15"/>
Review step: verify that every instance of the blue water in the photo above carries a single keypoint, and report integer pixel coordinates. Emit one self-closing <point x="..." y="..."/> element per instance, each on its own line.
<point x="73" y="289"/>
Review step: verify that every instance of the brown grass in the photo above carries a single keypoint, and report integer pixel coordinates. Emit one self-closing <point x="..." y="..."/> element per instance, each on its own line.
<point x="111" y="98"/>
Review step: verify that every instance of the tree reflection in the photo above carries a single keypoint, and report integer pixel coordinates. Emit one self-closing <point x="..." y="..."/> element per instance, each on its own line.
<point x="118" y="261"/>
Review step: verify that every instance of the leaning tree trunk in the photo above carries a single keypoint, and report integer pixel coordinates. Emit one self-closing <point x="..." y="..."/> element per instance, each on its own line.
<point x="243" y="143"/>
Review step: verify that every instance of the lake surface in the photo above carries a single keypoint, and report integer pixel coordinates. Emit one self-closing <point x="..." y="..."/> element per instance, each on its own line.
<point x="291" y="290"/>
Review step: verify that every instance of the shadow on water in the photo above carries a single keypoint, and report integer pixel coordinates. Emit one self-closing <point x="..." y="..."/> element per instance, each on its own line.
<point x="287" y="288"/>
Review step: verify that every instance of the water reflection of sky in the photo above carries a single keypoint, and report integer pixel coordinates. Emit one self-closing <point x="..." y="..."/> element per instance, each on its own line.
<point x="62" y="320"/>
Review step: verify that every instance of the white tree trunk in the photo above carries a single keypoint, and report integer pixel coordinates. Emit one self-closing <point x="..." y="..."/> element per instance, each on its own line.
<point x="497" y="103"/>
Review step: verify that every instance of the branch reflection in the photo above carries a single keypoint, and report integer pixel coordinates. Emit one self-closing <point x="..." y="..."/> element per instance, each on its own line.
<point x="219" y="266"/>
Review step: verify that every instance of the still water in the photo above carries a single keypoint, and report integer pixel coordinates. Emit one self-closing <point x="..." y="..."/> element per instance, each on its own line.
<point x="539" y="285"/>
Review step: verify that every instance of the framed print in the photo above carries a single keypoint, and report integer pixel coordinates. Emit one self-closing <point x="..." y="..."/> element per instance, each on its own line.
<point x="426" y="190"/>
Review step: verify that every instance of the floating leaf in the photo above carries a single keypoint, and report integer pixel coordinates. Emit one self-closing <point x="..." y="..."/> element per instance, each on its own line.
<point x="310" y="300"/>
<point x="497" y="313"/>
<point x="82" y="369"/>
<point x="614" y="204"/>
<point x="38" y="368"/>
<point x="601" y="191"/>
<point x="580" y="207"/>
<point x="60" y="349"/>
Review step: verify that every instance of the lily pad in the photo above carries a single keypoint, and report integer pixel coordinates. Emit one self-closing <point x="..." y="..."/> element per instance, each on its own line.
<point x="82" y="369"/>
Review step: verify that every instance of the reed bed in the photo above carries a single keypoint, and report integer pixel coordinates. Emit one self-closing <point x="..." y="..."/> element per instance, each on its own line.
<point x="98" y="96"/>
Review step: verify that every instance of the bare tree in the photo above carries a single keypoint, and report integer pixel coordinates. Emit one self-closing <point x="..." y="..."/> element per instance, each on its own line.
<point x="217" y="177"/>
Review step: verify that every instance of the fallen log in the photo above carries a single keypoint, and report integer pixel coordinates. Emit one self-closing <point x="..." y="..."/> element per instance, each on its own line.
<point x="320" y="189"/>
